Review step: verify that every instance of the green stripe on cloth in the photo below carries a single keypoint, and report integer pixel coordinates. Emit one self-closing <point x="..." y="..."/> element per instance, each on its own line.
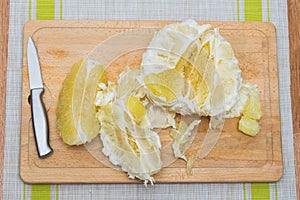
<point x="276" y="191"/>
<point x="24" y="192"/>
<point x="56" y="197"/>
<point x="253" y="10"/>
<point x="30" y="9"/>
<point x="60" y="9"/>
<point x="268" y="4"/>
<point x="40" y="192"/>
<point x="45" y="9"/>
<point x="238" y="9"/>
<point x="244" y="188"/>
<point x="260" y="191"/>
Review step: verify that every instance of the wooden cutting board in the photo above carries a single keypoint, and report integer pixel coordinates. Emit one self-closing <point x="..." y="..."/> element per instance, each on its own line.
<point x="235" y="158"/>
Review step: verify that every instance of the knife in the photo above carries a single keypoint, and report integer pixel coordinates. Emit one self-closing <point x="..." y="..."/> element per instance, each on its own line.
<point x="39" y="116"/>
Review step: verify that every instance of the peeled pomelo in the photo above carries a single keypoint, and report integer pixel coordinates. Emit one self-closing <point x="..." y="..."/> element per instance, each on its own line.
<point x="76" y="112"/>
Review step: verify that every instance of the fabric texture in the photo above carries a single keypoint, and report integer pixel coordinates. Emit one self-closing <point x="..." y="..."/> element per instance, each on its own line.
<point x="214" y="10"/>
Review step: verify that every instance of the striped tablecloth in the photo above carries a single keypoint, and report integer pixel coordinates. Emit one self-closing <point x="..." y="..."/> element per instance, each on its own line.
<point x="214" y="10"/>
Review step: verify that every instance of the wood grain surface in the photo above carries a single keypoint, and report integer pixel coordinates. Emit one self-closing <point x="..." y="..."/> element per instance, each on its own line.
<point x="4" y="20"/>
<point x="294" y="18"/>
<point x="294" y="37"/>
<point x="235" y="158"/>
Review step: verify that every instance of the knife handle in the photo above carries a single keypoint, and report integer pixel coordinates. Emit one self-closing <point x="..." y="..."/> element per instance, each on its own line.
<point x="40" y="123"/>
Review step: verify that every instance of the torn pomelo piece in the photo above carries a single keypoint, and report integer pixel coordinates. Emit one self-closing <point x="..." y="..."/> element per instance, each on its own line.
<point x="76" y="112"/>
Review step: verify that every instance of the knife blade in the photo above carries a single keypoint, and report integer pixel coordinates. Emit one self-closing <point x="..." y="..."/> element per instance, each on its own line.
<point x="39" y="116"/>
